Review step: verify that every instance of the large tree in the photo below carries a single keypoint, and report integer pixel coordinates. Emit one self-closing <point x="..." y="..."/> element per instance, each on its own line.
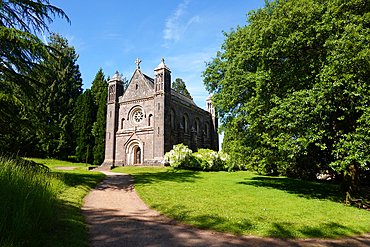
<point x="98" y="86"/>
<point x="61" y="84"/>
<point x="292" y="88"/>
<point x="99" y="89"/>
<point x="20" y="53"/>
<point x="99" y="129"/>
<point x="84" y="117"/>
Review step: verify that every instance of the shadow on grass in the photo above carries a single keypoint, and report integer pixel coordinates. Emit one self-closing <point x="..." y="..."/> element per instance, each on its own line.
<point x="69" y="225"/>
<point x="289" y="231"/>
<point x="283" y="230"/>
<point x="205" y="221"/>
<point x="306" y="189"/>
<point x="110" y="226"/>
<point x="76" y="178"/>
<point x="172" y="175"/>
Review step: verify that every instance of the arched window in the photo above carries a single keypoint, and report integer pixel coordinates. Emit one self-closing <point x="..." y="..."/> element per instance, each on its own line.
<point x="122" y="123"/>
<point x="207" y="130"/>
<point x="150" y="120"/>
<point x="172" y="119"/>
<point x="196" y="126"/>
<point x="185" y="122"/>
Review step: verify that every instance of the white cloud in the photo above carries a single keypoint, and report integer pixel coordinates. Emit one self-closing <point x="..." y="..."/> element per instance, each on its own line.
<point x="175" y="26"/>
<point x="192" y="62"/>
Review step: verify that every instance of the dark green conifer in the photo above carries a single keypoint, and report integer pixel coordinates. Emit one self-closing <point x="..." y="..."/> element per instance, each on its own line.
<point x="84" y="117"/>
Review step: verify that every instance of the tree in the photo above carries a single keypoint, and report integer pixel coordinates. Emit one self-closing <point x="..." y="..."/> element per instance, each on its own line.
<point x="99" y="89"/>
<point x="99" y="129"/>
<point x="99" y="85"/>
<point x="84" y="117"/>
<point x="61" y="86"/>
<point x="179" y="86"/>
<point x="21" y="51"/>
<point x="292" y="87"/>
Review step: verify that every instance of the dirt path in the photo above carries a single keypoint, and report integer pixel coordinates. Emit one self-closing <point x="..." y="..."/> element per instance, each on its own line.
<point x="117" y="216"/>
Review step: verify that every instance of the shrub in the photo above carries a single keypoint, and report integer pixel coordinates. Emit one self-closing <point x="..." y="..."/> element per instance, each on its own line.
<point x="205" y="159"/>
<point x="178" y="155"/>
<point x="212" y="160"/>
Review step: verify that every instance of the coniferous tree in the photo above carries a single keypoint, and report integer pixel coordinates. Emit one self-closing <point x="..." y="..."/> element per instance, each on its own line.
<point x="99" y="90"/>
<point x="180" y="86"/>
<point x="21" y="51"/>
<point x="99" y="129"/>
<point x="99" y="84"/>
<point x="61" y="85"/>
<point x="84" y="117"/>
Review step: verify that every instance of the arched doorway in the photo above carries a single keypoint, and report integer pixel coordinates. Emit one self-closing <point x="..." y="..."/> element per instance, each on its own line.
<point x="137" y="159"/>
<point x="134" y="154"/>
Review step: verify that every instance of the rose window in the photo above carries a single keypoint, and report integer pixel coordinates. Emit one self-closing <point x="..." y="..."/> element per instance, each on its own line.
<point x="138" y="116"/>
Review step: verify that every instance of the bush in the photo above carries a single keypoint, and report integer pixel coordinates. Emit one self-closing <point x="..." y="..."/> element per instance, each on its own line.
<point x="212" y="160"/>
<point x="178" y="155"/>
<point x="205" y="159"/>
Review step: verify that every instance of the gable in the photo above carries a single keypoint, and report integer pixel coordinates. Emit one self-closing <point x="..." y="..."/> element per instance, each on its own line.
<point x="140" y="86"/>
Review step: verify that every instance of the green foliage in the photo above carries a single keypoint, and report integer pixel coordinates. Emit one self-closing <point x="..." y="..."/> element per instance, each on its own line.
<point x="205" y="159"/>
<point x="28" y="202"/>
<point x="245" y="203"/>
<point x="99" y="85"/>
<point x="53" y="113"/>
<point x="99" y="129"/>
<point x="179" y="154"/>
<point x="211" y="160"/>
<point x="99" y="89"/>
<point x="84" y="117"/>
<point x="180" y="86"/>
<point x="292" y="87"/>
<point x="21" y="52"/>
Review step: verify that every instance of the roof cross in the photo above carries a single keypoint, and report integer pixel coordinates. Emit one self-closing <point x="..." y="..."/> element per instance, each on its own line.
<point x="138" y="61"/>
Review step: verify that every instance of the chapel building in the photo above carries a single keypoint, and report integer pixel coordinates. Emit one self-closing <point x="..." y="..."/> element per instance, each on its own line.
<point x="148" y="118"/>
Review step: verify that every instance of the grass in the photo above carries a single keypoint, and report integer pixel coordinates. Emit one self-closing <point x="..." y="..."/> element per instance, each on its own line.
<point x="51" y="163"/>
<point x="27" y="200"/>
<point x="52" y="219"/>
<point x="244" y="203"/>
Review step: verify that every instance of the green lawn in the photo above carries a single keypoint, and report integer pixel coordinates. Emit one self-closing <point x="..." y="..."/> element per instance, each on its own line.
<point x="245" y="203"/>
<point x="51" y="163"/>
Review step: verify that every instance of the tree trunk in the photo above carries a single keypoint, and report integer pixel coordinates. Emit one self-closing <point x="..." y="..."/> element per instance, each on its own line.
<point x="351" y="180"/>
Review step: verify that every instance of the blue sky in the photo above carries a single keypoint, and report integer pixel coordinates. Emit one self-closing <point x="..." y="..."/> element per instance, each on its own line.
<point x="112" y="34"/>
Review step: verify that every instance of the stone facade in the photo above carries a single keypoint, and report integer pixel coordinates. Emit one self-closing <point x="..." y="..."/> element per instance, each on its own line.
<point x="148" y="118"/>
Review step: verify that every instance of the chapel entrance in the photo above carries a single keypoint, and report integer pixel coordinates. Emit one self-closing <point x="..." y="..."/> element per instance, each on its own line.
<point x="134" y="154"/>
<point x="137" y="156"/>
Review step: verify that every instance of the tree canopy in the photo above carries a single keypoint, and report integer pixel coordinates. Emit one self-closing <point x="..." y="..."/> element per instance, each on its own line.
<point x="61" y="85"/>
<point x="20" y="48"/>
<point x="84" y="118"/>
<point x="291" y="88"/>
<point x="180" y="86"/>
<point x="21" y="52"/>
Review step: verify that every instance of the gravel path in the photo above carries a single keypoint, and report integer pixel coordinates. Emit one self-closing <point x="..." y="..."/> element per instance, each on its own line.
<point x="117" y="216"/>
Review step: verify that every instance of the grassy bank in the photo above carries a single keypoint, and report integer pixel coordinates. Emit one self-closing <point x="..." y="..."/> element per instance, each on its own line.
<point x="245" y="203"/>
<point x="44" y="208"/>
